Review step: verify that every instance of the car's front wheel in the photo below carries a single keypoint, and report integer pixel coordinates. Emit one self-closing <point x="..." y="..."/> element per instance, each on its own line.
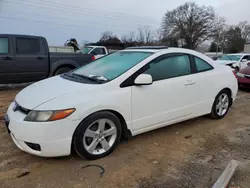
<point x="97" y="136"/>
<point x="221" y="105"/>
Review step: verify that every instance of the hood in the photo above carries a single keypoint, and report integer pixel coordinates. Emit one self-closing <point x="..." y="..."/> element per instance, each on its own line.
<point x="224" y="62"/>
<point x="49" y="89"/>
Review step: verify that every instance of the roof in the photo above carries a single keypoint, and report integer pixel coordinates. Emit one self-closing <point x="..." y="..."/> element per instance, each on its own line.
<point x="148" y="47"/>
<point x="163" y="50"/>
<point x="20" y="35"/>
<point x="90" y="46"/>
<point x="241" y="54"/>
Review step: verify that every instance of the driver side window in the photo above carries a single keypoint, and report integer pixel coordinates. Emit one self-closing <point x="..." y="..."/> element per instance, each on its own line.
<point x="98" y="51"/>
<point x="247" y="57"/>
<point x="169" y="67"/>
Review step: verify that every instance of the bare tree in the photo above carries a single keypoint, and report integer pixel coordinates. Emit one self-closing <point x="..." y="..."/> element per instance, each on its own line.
<point x="220" y="32"/>
<point x="106" y="36"/>
<point x="245" y="30"/>
<point x="191" y="23"/>
<point x="128" y="38"/>
<point x="145" y="35"/>
<point x="158" y="36"/>
<point x="148" y="34"/>
<point x="140" y="37"/>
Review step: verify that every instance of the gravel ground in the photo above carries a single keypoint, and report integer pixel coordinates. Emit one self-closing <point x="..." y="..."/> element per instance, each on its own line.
<point x="188" y="154"/>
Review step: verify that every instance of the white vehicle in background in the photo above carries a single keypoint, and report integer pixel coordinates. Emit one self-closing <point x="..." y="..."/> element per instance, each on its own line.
<point x="97" y="51"/>
<point x="236" y="61"/>
<point x="136" y="90"/>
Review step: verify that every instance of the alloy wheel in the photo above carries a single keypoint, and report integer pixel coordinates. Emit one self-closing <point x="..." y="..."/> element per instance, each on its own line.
<point x="100" y="136"/>
<point x="222" y="104"/>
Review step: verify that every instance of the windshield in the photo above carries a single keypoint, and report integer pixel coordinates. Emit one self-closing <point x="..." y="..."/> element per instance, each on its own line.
<point x="86" y="50"/>
<point x="230" y="57"/>
<point x="113" y="65"/>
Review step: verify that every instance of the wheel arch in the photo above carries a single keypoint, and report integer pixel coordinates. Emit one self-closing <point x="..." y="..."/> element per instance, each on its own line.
<point x="62" y="63"/>
<point x="63" y="66"/>
<point x="126" y="133"/>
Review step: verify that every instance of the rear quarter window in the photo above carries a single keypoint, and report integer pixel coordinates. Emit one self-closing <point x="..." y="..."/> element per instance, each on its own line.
<point x="202" y="65"/>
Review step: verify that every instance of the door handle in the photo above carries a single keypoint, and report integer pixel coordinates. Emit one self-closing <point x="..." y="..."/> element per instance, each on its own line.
<point x="189" y="83"/>
<point x="7" y="58"/>
<point x="40" y="58"/>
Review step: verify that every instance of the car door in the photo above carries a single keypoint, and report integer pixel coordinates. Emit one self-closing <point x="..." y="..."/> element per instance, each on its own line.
<point x="31" y="59"/>
<point x="98" y="52"/>
<point x="205" y="86"/>
<point x="244" y="61"/>
<point x="7" y="69"/>
<point x="169" y="98"/>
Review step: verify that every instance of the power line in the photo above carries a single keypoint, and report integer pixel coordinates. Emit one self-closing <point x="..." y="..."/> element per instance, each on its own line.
<point x="112" y="13"/>
<point x="82" y="21"/>
<point x="53" y="23"/>
<point x="96" y="10"/>
<point x="57" y="8"/>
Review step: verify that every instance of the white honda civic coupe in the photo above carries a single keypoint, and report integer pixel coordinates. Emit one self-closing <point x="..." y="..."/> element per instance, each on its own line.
<point x="93" y="107"/>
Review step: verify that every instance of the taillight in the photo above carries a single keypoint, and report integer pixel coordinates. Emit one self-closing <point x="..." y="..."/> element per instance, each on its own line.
<point x="93" y="58"/>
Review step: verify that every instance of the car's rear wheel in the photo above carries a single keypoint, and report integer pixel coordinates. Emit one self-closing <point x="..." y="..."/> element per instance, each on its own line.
<point x="97" y="136"/>
<point x="221" y="105"/>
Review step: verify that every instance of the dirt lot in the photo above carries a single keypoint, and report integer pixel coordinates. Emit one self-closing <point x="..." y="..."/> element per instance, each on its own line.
<point x="189" y="154"/>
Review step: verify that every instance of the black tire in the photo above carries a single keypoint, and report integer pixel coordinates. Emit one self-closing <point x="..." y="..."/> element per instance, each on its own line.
<point x="214" y="114"/>
<point x="62" y="70"/>
<point x="78" y="136"/>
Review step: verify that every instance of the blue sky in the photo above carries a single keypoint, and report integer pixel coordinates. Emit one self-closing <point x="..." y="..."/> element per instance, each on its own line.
<point x="59" y="20"/>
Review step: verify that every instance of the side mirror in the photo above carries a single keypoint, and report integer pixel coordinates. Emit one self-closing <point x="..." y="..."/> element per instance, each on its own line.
<point x="244" y="60"/>
<point x="144" y="79"/>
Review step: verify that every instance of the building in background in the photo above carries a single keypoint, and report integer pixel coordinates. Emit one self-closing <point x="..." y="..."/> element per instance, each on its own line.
<point x="247" y="47"/>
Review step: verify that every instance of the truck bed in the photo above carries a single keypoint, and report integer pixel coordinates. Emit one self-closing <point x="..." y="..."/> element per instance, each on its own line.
<point x="81" y="59"/>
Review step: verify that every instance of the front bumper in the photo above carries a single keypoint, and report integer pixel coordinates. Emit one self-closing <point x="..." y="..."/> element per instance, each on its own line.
<point x="54" y="138"/>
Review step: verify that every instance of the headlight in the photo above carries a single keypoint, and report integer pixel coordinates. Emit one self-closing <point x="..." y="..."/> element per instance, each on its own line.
<point x="43" y="116"/>
<point x="240" y="75"/>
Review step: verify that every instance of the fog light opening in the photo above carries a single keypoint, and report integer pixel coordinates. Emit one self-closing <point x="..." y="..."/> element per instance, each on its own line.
<point x="33" y="146"/>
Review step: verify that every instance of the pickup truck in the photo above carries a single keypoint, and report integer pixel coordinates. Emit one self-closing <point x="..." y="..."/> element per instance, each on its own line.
<point x="97" y="51"/>
<point x="25" y="58"/>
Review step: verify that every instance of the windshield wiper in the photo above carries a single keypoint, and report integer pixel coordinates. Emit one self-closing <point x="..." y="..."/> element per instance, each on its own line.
<point x="95" y="79"/>
<point x="69" y="74"/>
